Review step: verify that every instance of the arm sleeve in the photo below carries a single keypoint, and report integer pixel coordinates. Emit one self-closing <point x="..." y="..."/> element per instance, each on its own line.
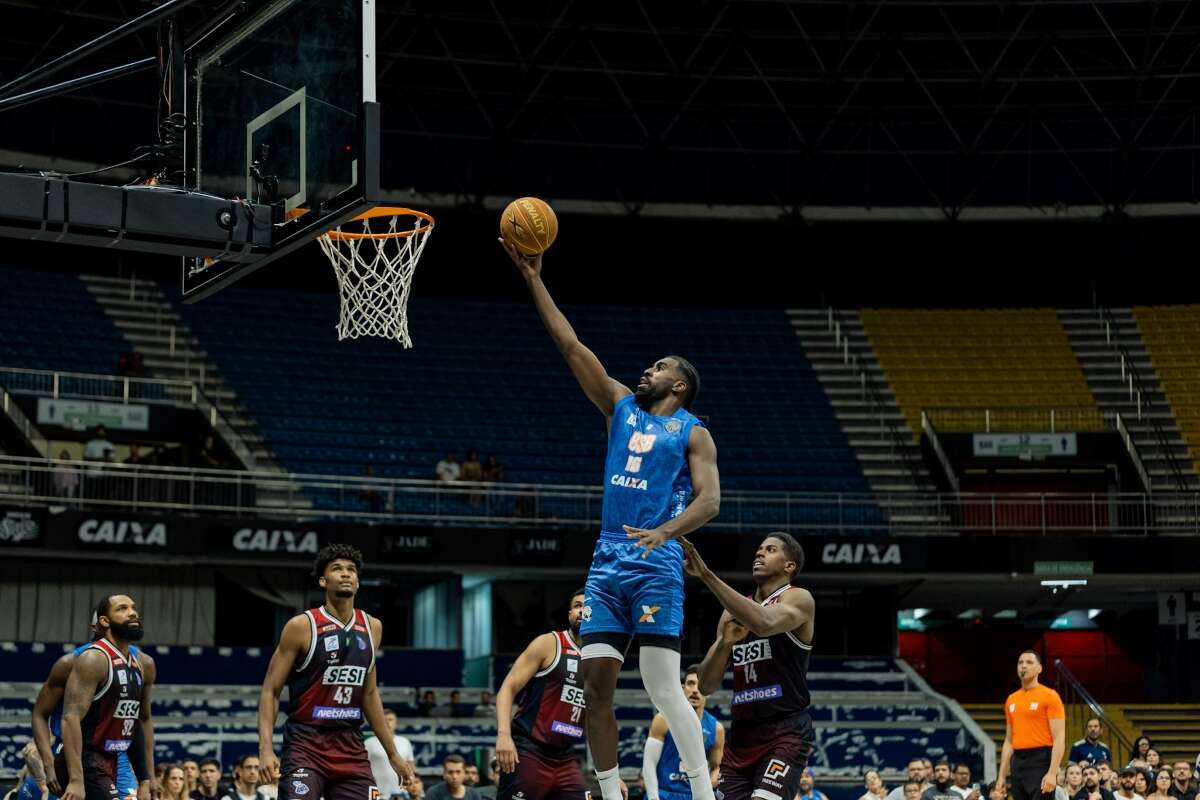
<point x="137" y="754"/>
<point x="1054" y="708"/>
<point x="650" y="757"/>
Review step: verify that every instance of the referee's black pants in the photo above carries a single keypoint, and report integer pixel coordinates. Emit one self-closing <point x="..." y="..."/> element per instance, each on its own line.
<point x="1028" y="768"/>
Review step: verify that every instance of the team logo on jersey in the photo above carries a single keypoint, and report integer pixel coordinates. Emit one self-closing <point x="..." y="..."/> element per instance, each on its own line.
<point x="572" y="665"/>
<point x="1012" y="708"/>
<point x="673" y="425"/>
<point x="572" y="695"/>
<point x="574" y="731"/>
<point x="116" y="745"/>
<point x="299" y="787"/>
<point x="777" y="769"/>
<point x="373" y="794"/>
<point x="631" y="419"/>
<point x="1033" y="706"/>
<point x="362" y="643"/>
<point x="331" y="643"/>
<point x="758" y="694"/>
<point x="127" y="709"/>
<point x="648" y="613"/>
<point x="344" y="676"/>
<point x="122" y="678"/>
<point x="333" y="712"/>
<point x="586" y="614"/>
<point x="758" y="650"/>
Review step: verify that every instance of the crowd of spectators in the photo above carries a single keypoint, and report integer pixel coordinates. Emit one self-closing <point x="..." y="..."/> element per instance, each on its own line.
<point x="450" y="469"/>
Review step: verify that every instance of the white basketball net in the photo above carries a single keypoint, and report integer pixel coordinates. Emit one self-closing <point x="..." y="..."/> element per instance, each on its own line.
<point x="374" y="272"/>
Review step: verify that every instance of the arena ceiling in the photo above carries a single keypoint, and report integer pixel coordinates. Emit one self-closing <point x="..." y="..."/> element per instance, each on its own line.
<point x="908" y="109"/>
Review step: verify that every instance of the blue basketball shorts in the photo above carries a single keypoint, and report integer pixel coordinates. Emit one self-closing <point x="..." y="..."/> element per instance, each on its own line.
<point x="627" y="594"/>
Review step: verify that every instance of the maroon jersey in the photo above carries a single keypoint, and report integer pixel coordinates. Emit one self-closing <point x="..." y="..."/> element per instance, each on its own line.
<point x="550" y="712"/>
<point x="770" y="675"/>
<point x="327" y="688"/>
<point x="108" y="725"/>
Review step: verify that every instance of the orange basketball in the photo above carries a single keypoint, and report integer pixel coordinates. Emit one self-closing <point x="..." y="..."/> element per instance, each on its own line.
<point x="529" y="225"/>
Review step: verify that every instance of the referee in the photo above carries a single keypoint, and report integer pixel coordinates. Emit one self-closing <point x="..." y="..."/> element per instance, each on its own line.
<point x="1034" y="737"/>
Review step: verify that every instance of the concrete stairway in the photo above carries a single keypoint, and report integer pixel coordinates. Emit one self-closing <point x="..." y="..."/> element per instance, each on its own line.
<point x="141" y="310"/>
<point x="1095" y="342"/>
<point x="874" y="425"/>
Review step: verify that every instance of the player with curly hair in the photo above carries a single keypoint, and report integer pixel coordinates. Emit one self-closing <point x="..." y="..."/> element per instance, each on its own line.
<point x="327" y="657"/>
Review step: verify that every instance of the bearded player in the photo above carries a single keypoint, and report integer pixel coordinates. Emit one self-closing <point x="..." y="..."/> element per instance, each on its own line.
<point x="327" y="657"/>
<point x="768" y="637"/>
<point x="660" y="456"/>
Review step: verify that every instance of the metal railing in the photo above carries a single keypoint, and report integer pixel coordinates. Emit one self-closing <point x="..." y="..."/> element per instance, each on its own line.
<point x="947" y="467"/>
<point x="9" y="407"/>
<point x="29" y="481"/>
<point x="871" y="393"/>
<point x="1019" y="419"/>
<point x="1080" y="705"/>
<point x="121" y="389"/>
<point x="1146" y="407"/>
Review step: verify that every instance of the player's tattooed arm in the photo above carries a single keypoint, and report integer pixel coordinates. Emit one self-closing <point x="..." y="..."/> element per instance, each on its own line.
<point x="293" y="643"/>
<point x="794" y="608"/>
<point x="602" y="390"/>
<point x="87" y="673"/>
<point x="373" y="711"/>
<point x="48" y="699"/>
<point x="536" y="657"/>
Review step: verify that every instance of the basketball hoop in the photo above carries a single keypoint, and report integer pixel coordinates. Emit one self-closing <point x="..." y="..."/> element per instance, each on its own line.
<point x="375" y="270"/>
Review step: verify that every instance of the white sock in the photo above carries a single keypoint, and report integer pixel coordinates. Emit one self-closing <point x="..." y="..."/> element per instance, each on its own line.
<point x="610" y="783"/>
<point x="660" y="674"/>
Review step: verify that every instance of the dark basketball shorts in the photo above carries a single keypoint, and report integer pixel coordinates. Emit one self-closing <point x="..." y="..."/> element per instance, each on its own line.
<point x="1028" y="769"/>
<point x="541" y="777"/>
<point x="99" y="775"/>
<point x="329" y="763"/>
<point x="764" y="762"/>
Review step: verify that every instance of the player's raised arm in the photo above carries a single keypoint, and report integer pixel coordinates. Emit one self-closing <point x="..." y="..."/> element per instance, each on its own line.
<point x="292" y="642"/>
<point x="793" y="610"/>
<point x="603" y="391"/>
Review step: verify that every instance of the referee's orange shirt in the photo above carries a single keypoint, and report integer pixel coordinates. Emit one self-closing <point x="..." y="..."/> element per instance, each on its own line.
<point x="1028" y="714"/>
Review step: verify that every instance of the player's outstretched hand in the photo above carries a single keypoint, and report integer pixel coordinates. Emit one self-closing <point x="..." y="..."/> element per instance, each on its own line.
<point x="530" y="266"/>
<point x="647" y="540"/>
<point x="693" y="564"/>
<point x="733" y="631"/>
<point x="506" y="753"/>
<point x="268" y="766"/>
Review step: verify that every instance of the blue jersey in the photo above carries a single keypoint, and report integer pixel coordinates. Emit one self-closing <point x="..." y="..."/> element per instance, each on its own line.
<point x="646" y="475"/>
<point x="672" y="780"/>
<point x="126" y="781"/>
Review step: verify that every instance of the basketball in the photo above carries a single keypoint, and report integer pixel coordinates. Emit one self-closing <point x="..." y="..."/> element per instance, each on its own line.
<point x="529" y="225"/>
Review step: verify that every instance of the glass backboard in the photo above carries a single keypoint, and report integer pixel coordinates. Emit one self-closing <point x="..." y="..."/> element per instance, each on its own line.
<point x="282" y="96"/>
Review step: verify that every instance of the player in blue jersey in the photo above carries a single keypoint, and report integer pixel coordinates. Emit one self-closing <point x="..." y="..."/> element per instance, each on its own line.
<point x="47" y="718"/>
<point x="662" y="769"/>
<point x="659" y="457"/>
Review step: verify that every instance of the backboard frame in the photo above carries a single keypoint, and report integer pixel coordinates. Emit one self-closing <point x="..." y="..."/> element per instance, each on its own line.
<point x="200" y="278"/>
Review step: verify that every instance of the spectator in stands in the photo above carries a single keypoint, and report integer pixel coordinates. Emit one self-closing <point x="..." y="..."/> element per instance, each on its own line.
<point x="807" y="792"/>
<point x="428" y="704"/>
<point x="208" y="784"/>
<point x="160" y="772"/>
<point x="1108" y="778"/>
<point x="1141" y="746"/>
<point x="911" y="790"/>
<point x="1153" y="760"/>
<point x="488" y="792"/>
<point x="485" y="707"/>
<point x="381" y="768"/>
<point x="1183" y="787"/>
<point x="245" y="780"/>
<point x="1143" y="782"/>
<point x="1093" y="783"/>
<point x="493" y="470"/>
<point x="209" y="457"/>
<point x="448" y="469"/>
<point x="1090" y="748"/>
<point x="1162" y="785"/>
<point x="453" y="785"/>
<point x="66" y="478"/>
<point x="962" y="783"/>
<point x="416" y="787"/>
<point x="191" y="773"/>
<point x="1126" y="777"/>
<point x="472" y="470"/>
<point x="941" y="788"/>
<point x="175" y="786"/>
<point x="370" y="496"/>
<point x="472" y="774"/>
<point x="1072" y="785"/>
<point x="99" y="448"/>
<point x="915" y="770"/>
<point x="137" y="458"/>
<point x="874" y="786"/>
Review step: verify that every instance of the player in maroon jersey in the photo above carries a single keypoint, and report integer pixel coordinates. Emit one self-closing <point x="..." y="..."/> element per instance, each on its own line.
<point x="536" y="750"/>
<point x="327" y="657"/>
<point x="106" y="708"/>
<point x="768" y="637"/>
